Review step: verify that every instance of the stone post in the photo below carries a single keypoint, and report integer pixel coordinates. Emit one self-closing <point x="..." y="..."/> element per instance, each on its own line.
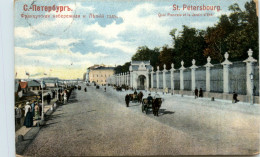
<point x="226" y="65"/>
<point x="157" y="77"/>
<point x="152" y="78"/>
<point x="208" y="66"/>
<point x="164" y="78"/>
<point x="249" y="69"/>
<point x="172" y="77"/>
<point x="193" y="75"/>
<point x="181" y="76"/>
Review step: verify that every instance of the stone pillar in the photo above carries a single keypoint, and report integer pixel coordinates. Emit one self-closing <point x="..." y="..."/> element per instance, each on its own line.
<point x="157" y="77"/>
<point x="193" y="75"/>
<point x="181" y="76"/>
<point x="164" y="78"/>
<point x="127" y="78"/>
<point x="208" y="66"/>
<point x="147" y="80"/>
<point x="152" y="78"/>
<point x="226" y="65"/>
<point x="249" y="69"/>
<point x="172" y="77"/>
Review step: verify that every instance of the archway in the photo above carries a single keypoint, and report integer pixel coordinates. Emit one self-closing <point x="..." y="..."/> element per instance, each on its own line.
<point x="141" y="82"/>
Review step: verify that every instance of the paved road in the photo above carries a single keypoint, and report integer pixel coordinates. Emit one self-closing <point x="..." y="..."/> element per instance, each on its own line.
<point x="98" y="123"/>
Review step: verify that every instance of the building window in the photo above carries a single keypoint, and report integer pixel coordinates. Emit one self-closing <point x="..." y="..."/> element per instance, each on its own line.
<point x="97" y="75"/>
<point x="101" y="80"/>
<point x="97" y="80"/>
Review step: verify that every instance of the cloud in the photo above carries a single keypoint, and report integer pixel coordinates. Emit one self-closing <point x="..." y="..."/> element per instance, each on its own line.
<point x="23" y="32"/>
<point x="54" y="57"/>
<point x="123" y="46"/>
<point x="58" y="41"/>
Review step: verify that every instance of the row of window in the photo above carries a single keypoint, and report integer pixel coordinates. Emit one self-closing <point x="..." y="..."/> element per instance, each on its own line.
<point x="101" y="75"/>
<point x="101" y="81"/>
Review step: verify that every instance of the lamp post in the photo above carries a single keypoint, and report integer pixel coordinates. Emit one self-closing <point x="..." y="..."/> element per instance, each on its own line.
<point x="42" y="86"/>
<point x="252" y="92"/>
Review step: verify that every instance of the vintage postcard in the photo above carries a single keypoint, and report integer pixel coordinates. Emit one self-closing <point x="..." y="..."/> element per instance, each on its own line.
<point x="136" y="78"/>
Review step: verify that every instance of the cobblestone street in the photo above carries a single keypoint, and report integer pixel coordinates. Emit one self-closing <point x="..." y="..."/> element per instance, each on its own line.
<point x="98" y="123"/>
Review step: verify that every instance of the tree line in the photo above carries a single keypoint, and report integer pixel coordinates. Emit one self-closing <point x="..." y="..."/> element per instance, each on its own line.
<point x="234" y="33"/>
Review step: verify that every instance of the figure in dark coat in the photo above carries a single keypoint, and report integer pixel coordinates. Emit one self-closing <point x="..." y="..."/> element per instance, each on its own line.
<point x="235" y="100"/>
<point x="150" y="99"/>
<point x="201" y="93"/>
<point x="28" y="121"/>
<point x="127" y="100"/>
<point x="85" y="89"/>
<point x="48" y="98"/>
<point x="196" y="93"/>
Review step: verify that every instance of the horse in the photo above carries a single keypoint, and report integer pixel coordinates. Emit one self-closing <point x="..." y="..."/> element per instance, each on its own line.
<point x="156" y="106"/>
<point x="140" y="97"/>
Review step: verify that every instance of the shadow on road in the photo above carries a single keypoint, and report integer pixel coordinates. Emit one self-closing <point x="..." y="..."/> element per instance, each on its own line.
<point x="164" y="111"/>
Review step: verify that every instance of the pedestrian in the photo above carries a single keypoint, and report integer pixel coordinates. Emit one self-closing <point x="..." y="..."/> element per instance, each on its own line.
<point x="105" y="89"/>
<point x="65" y="97"/>
<point x="37" y="111"/>
<point x="26" y="108"/>
<point x="235" y="100"/>
<point x="18" y="114"/>
<point x="48" y="98"/>
<point x="201" y="93"/>
<point x="127" y="100"/>
<point x="196" y="93"/>
<point x="40" y="107"/>
<point x="28" y="122"/>
<point x="32" y="107"/>
<point x="85" y="89"/>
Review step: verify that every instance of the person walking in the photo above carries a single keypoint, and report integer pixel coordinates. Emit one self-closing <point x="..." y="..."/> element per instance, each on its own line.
<point x="26" y="108"/>
<point x="85" y="89"/>
<point x="65" y="97"/>
<point x="32" y="107"/>
<point x="127" y="100"/>
<point x="48" y="98"/>
<point x="28" y="122"/>
<point x="201" y="93"/>
<point x="37" y="112"/>
<point x="105" y="89"/>
<point x="196" y="93"/>
<point x="18" y="114"/>
<point x="235" y="100"/>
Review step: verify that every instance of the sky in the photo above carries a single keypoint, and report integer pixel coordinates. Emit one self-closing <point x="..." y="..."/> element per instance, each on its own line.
<point x="66" y="47"/>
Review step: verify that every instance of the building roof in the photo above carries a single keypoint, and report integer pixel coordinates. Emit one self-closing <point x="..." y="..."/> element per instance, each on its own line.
<point x="33" y="83"/>
<point x="140" y="62"/>
<point x="23" y="84"/>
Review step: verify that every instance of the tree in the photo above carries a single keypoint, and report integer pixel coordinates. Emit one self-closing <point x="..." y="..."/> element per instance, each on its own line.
<point x="166" y="57"/>
<point x="122" y="68"/>
<point x="145" y="54"/>
<point x="188" y="45"/>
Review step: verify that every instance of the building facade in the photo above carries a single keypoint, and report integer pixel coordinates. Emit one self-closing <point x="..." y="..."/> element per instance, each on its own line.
<point x="99" y="74"/>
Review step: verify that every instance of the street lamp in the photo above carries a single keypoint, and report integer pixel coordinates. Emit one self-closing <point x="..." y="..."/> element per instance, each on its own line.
<point x="42" y="86"/>
<point x="251" y="78"/>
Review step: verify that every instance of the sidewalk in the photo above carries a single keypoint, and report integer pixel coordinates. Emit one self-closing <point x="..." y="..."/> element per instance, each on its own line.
<point x="29" y="133"/>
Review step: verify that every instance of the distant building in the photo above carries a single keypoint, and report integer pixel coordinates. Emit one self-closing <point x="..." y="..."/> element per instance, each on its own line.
<point x="34" y="85"/>
<point x="99" y="74"/>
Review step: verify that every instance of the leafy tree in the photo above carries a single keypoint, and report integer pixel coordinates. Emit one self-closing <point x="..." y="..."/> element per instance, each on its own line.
<point x="145" y="54"/>
<point x="122" y="68"/>
<point x="166" y="57"/>
<point x="188" y="45"/>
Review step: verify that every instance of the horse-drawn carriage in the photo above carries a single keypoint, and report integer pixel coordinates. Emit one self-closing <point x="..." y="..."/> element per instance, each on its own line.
<point x="136" y="97"/>
<point x="154" y="104"/>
